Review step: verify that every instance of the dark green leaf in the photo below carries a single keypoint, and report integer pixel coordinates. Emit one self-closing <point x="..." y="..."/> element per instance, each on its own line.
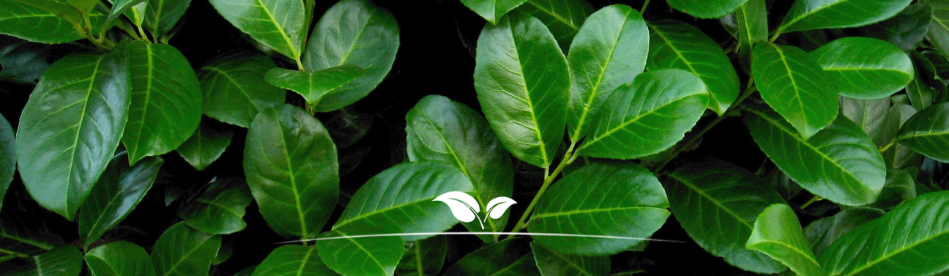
<point x="61" y="261"/>
<point x="70" y="128"/>
<point x="353" y="32"/>
<point x="783" y="184"/>
<point x="864" y="68"/>
<point x="363" y="255"/>
<point x="562" y="17"/>
<point x="553" y="263"/>
<point x="41" y="21"/>
<point x="939" y="30"/>
<point x="492" y="10"/>
<point x="162" y="15"/>
<point x="648" y="116"/>
<point x="839" y="163"/>
<point x="717" y="203"/>
<point x="293" y="260"/>
<point x="119" y="7"/>
<point x="220" y="209"/>
<point x="314" y="85"/>
<point x="423" y="257"/>
<point x="277" y="24"/>
<point x="920" y="94"/>
<point x="512" y="256"/>
<point x="752" y="28"/>
<point x="291" y="167"/>
<point x="225" y="252"/>
<point x="119" y="258"/>
<point x="795" y="86"/>
<point x="823" y="232"/>
<point x="20" y="237"/>
<point x="823" y="14"/>
<point x="899" y="188"/>
<point x="7" y="156"/>
<point x="904" y="157"/>
<point x="184" y="251"/>
<point x="235" y="90"/>
<point x="873" y="117"/>
<point x="778" y="234"/>
<point x="205" y="146"/>
<point x="523" y="85"/>
<point x="120" y="188"/>
<point x="707" y="9"/>
<point x="906" y="29"/>
<point x="623" y="200"/>
<point x="438" y="129"/>
<point x="927" y="132"/>
<point x="24" y="62"/>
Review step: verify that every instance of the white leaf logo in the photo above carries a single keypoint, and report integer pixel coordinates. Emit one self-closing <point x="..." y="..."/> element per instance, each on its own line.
<point x="465" y="208"/>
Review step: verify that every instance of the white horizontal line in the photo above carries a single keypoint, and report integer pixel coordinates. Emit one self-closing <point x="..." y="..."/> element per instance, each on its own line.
<point x="481" y="233"/>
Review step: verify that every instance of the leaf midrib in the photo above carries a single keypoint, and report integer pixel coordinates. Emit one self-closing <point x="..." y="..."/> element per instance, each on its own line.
<point x="790" y="74"/>
<point x="808" y="13"/>
<point x="293" y="178"/>
<point x="793" y="248"/>
<point x="182" y="259"/>
<point x="235" y="82"/>
<point x="85" y="106"/>
<point x="711" y="199"/>
<point x="306" y="258"/>
<point x="528" y="99"/>
<point x="887" y="256"/>
<point x="588" y="211"/>
<point x="283" y="33"/>
<point x="599" y="78"/>
<point x="568" y="23"/>
<point x="570" y="262"/>
<point x="633" y="120"/>
<point x="369" y="254"/>
<point x="681" y="57"/>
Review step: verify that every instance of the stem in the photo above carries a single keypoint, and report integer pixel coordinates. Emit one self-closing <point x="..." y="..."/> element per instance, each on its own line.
<point x="884" y="148"/>
<point x="809" y="202"/>
<point x="643" y="9"/>
<point x="299" y="64"/>
<point x="776" y="34"/>
<point x="568" y="158"/>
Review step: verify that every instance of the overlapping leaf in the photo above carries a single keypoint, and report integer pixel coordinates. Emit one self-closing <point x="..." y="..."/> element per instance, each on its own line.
<point x="905" y="29"/>
<point x="120" y="188"/>
<point x="235" y="90"/>
<point x="874" y="117"/>
<point x="162" y="15"/>
<point x="752" y="28"/>
<point x="512" y="256"/>
<point x="277" y="24"/>
<point x="492" y="10"/>
<point x="423" y="257"/>
<point x="562" y="17"/>
<point x="927" y="132"/>
<point x="864" y="68"/>
<point x="821" y="14"/>
<point x="119" y="258"/>
<point x="22" y="238"/>
<point x="707" y="9"/>
<point x="293" y="260"/>
<point x="822" y="233"/>
<point x="795" y="86"/>
<point x="61" y="261"/>
<point x="368" y="256"/>
<point x="205" y="146"/>
<point x="184" y="251"/>
<point x="778" y="234"/>
<point x="7" y="156"/>
<point x="45" y="21"/>
<point x="313" y="85"/>
<point x="220" y="209"/>
<point x="553" y="263"/>
<point x="939" y="30"/>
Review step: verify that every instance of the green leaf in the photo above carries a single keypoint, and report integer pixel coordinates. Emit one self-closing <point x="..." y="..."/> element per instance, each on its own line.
<point x="41" y="21"/>
<point x="291" y="167"/>
<point x="939" y="30"/>
<point x="7" y="156"/>
<point x="562" y="17"/>
<point x="553" y="263"/>
<point x="184" y="251"/>
<point x="295" y="260"/>
<point x="904" y="156"/>
<point x="914" y="232"/>
<point x="21" y="237"/>
<point x="623" y="200"/>
<point x="401" y="199"/>
<point x="839" y="163"/>
<point x="70" y="128"/>
<point x="119" y="7"/>
<point x="780" y="182"/>
<point x="899" y="188"/>
<point x="608" y="51"/>
<point x="166" y="100"/>
<point x="707" y="9"/>
<point x="353" y="32"/>
<point x="119" y="258"/>
<point x="492" y="10"/>
<point x="795" y="86"/>
<point x="717" y="203"/>
<point x="220" y="209"/>
<point x="120" y="188"/>
<point x="874" y="117"/>
<point x="919" y="93"/>
<point x="235" y="90"/>
<point x="752" y="28"/>
<point x="162" y="15"/>
<point x="24" y="62"/>
<point x="523" y="83"/>
<point x="423" y="257"/>
<point x="225" y="252"/>
<point x="61" y="261"/>
<point x="206" y="145"/>
<point x="927" y="132"/>
<point x="440" y="130"/>
<point x="823" y="232"/>
<point x="864" y="68"/>
<point x="512" y="256"/>
<point x="904" y="30"/>
<point x="363" y="255"/>
<point x="778" y="234"/>
<point x="314" y="85"/>
<point x="667" y="104"/>
<point x="277" y="24"/>
<point x="825" y="14"/>
<point x="674" y="44"/>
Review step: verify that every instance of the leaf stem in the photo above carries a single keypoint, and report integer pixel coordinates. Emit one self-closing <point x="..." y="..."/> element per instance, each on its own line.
<point x="884" y="148"/>
<point x="568" y="158"/>
<point x="299" y="64"/>
<point x="643" y="9"/>
<point x="809" y="202"/>
<point x="776" y="34"/>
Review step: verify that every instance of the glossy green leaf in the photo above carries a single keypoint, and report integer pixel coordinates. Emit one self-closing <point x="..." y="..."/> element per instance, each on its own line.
<point x="553" y="263"/>
<point x="25" y="62"/>
<point x="839" y="163"/>
<point x="912" y="233"/>
<point x="648" y="116"/>
<point x="353" y="32"/>
<point x="162" y="15"/>
<point x="7" y="156"/>
<point x="623" y="200"/>
<point x="608" y="51"/>
<point x="61" y="261"/>
<point x="440" y="130"/>
<point x="291" y="167"/>
<point x="492" y="10"/>
<point x="206" y="145"/>
<point x="423" y="257"/>
<point x="562" y="17"/>
<point x="707" y="9"/>
<point x="23" y="238"/>
<point x="512" y="256"/>
<point x="674" y="44"/>
<point x="401" y="199"/>
<point x="119" y="7"/>
<point x="363" y="255"/>
<point x="905" y="29"/>
<point x="235" y="90"/>
<point x="795" y="86"/>
<point x="752" y="28"/>
<point x="70" y="128"/>
<point x="220" y="209"/>
<point x="278" y="24"/>
<point x="864" y="68"/>
<point x="120" y="188"/>
<point x="899" y="187"/>
<point x="523" y="83"/>
<point x="119" y="258"/>
<point x="184" y="251"/>
<point x="45" y="22"/>
<point x="874" y="117"/>
<point x="939" y="30"/>
<point x="823" y="232"/>
<point x="778" y="234"/>
<point x="314" y="85"/>
<point x="166" y="100"/>
<point x="927" y="132"/>
<point x="293" y="260"/>
<point x="717" y="203"/>
<point x="823" y="14"/>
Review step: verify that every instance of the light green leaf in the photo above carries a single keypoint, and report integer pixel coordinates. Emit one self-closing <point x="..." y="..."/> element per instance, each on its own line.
<point x="864" y="68"/>
<point x="363" y="255"/>
<point x="839" y="163"/>
<point x="206" y="145"/>
<point x="674" y="44"/>
<point x="873" y="117"/>
<point x="823" y="14"/>
<point x="562" y="17"/>
<point x="553" y="263"/>
<point x="939" y="30"/>
<point x="278" y="24"/>
<point x="21" y="237"/>
<point x="608" y="51"/>
<point x="70" y="128"/>
<point x="120" y="188"/>
<point x="119" y="7"/>
<point x="822" y="233"/>
<point x="314" y="85"/>
<point x="184" y="251"/>
<point x="523" y="83"/>
<point x="220" y="209"/>
<point x="235" y="90"/>
<point x="7" y="156"/>
<point x="623" y="200"/>
<point x="795" y="86"/>
<point x="293" y="260"/>
<point x="648" y="116"/>
<point x="927" y="132"/>
<point x="512" y="256"/>
<point x="353" y="32"/>
<point x="752" y="28"/>
<point x="291" y="167"/>
<point x="492" y="10"/>
<point x="119" y="258"/>
<point x="162" y="15"/>
<point x="423" y="257"/>
<point x="707" y="9"/>
<point x="166" y="100"/>
<point x="440" y="130"/>
<point x="61" y="261"/>
<point x="717" y="203"/>
<point x="778" y="234"/>
<point x="44" y="21"/>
